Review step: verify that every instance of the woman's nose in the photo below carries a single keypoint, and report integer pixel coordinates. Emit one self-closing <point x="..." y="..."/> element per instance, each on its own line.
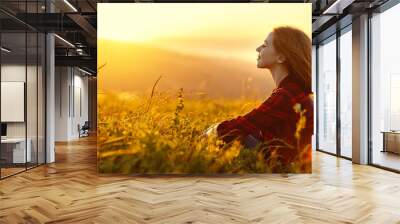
<point x="258" y="49"/>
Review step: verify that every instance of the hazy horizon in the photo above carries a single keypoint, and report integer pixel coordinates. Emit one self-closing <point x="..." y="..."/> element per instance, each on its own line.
<point x="135" y="68"/>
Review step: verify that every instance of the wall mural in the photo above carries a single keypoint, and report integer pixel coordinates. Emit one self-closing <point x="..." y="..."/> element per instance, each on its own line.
<point x="204" y="88"/>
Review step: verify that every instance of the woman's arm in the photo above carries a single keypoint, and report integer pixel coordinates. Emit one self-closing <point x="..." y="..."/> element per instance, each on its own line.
<point x="257" y="122"/>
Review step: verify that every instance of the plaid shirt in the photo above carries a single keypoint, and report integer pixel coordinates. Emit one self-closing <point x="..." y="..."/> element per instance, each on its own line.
<point x="275" y="118"/>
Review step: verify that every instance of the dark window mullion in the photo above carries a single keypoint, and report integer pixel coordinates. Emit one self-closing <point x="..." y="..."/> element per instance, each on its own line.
<point x="338" y="73"/>
<point x="316" y="97"/>
<point x="37" y="90"/>
<point x="369" y="90"/>
<point x="26" y="86"/>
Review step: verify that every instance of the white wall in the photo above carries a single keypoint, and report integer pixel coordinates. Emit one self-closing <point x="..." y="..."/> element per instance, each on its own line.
<point x="33" y="127"/>
<point x="62" y="81"/>
<point x="71" y="94"/>
<point x="80" y="111"/>
<point x="12" y="73"/>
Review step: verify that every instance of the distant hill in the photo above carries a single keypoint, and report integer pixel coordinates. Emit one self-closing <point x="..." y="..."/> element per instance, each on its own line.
<point x="134" y="68"/>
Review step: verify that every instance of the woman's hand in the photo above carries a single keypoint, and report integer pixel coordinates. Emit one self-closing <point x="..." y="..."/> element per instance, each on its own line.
<point x="212" y="130"/>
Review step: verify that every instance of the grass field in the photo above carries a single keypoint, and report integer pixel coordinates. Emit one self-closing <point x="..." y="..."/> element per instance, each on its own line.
<point x="162" y="134"/>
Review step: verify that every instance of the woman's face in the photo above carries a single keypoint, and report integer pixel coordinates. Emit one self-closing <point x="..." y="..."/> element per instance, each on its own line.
<point x="267" y="55"/>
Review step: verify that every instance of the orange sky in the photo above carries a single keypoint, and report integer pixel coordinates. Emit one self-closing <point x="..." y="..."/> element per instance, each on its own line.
<point x="197" y="45"/>
<point x="220" y="29"/>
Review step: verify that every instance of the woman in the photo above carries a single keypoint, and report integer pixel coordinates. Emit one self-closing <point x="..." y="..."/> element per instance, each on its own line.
<point x="286" y="53"/>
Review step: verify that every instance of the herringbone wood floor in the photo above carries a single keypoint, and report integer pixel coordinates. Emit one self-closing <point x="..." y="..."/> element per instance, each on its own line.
<point x="70" y="191"/>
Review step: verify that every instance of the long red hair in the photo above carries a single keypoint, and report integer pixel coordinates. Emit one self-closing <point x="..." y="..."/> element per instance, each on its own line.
<point x="295" y="45"/>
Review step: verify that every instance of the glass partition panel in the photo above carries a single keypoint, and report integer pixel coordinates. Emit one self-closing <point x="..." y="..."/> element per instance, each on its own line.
<point x="346" y="93"/>
<point x="327" y="96"/>
<point x="31" y="98"/>
<point x="385" y="89"/>
<point x="15" y="151"/>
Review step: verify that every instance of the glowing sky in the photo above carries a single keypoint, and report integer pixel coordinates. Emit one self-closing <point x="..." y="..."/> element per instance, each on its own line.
<point x="218" y="29"/>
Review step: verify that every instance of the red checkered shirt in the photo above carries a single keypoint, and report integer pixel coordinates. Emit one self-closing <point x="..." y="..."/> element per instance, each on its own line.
<point x="275" y="118"/>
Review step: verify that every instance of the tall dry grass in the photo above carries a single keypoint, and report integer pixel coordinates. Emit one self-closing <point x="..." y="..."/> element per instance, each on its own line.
<point x="163" y="135"/>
